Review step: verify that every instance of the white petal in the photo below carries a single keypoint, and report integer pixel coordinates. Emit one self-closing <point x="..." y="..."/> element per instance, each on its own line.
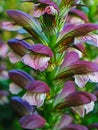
<point x="14" y="89"/>
<point x="37" y="62"/>
<point x="36" y="99"/>
<point x="89" y="107"/>
<point x="43" y="63"/>
<point x="84" y="109"/>
<point x="81" y="80"/>
<point x="13" y="57"/>
<point x="93" y="77"/>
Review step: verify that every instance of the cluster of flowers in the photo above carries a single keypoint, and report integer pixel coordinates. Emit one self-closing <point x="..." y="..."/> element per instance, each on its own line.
<point x="58" y="30"/>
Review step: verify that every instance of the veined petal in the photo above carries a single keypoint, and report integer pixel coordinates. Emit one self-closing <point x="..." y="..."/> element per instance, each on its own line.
<point x="36" y="99"/>
<point x="16" y="75"/>
<point x="41" y="49"/>
<point x="77" y="99"/>
<point x="78" y="68"/>
<point x="10" y="26"/>
<point x="14" y="89"/>
<point x="38" y="62"/>
<point x="81" y="80"/>
<point x="86" y="66"/>
<point x="91" y="39"/>
<point x="23" y="19"/>
<point x="38" y="86"/>
<point x="80" y="29"/>
<point x="20" y="47"/>
<point x="76" y="31"/>
<point x="33" y="121"/>
<point x="21" y="107"/>
<point x="70" y="58"/>
<point x="29" y="23"/>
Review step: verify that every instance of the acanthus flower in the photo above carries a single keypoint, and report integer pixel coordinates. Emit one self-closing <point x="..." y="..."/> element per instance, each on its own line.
<point x="55" y="40"/>
<point x="82" y="71"/>
<point x="73" y="32"/>
<point x="35" y="56"/>
<point x="36" y="90"/>
<point x="30" y="119"/>
<point x="81" y="102"/>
